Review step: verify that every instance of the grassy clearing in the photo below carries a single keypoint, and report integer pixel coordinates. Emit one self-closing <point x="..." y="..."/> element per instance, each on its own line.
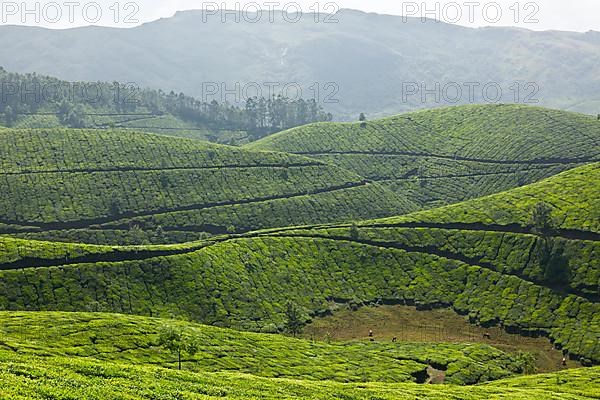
<point x="406" y="323"/>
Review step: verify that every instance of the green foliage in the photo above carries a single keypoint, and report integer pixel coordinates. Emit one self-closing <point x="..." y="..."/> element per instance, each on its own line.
<point x="447" y="155"/>
<point x="123" y="237"/>
<point x="527" y="361"/>
<point x="60" y="180"/>
<point x="354" y="232"/>
<point x="493" y="274"/>
<point x="124" y="106"/>
<point x="363" y="120"/>
<point x="541" y="219"/>
<point x="141" y="341"/>
<point x="107" y="356"/>
<point x="26" y="377"/>
<point x="71" y="115"/>
<point x="293" y="319"/>
<point x="179" y="342"/>
<point x="9" y="116"/>
<point x="573" y="195"/>
<point x="243" y="283"/>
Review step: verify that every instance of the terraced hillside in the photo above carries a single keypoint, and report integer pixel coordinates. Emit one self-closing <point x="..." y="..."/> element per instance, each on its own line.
<point x="443" y="156"/>
<point x="108" y="356"/>
<point x="123" y="187"/>
<point x="546" y="282"/>
<point x="140" y="121"/>
<point x="542" y="282"/>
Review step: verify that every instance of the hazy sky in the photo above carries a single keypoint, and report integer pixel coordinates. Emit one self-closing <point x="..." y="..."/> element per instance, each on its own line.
<point x="573" y="15"/>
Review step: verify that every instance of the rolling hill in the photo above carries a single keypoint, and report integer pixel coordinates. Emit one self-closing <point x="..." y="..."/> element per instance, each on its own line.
<point x="442" y="156"/>
<point x="134" y="339"/>
<point x="123" y="187"/>
<point x="502" y="272"/>
<point x="226" y="239"/>
<point x="202" y="49"/>
<point x="107" y="356"/>
<point x="26" y="377"/>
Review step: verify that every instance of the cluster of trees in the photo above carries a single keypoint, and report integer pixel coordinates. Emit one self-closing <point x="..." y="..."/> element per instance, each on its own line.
<point x="278" y="113"/>
<point x="72" y="101"/>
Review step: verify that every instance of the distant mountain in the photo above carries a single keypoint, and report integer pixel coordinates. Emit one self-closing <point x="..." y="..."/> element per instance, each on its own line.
<point x="373" y="59"/>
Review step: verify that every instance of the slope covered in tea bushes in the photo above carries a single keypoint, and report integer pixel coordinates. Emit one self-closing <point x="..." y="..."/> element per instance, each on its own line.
<point x="245" y="283"/>
<point x="106" y="356"/>
<point x="135" y="340"/>
<point x="35" y="378"/>
<point x="447" y="155"/>
<point x="495" y="274"/>
<point x="573" y="198"/>
<point x="140" y="188"/>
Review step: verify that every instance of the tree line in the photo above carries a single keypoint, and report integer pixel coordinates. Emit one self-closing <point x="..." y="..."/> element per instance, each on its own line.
<point x="73" y="102"/>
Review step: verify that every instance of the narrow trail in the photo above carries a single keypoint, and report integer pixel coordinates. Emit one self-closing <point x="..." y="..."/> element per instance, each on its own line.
<point x="569" y="234"/>
<point x="578" y="160"/>
<point x="154" y="169"/>
<point x="114" y="256"/>
<point x="132" y="255"/>
<point x="85" y="223"/>
<point x="452" y="176"/>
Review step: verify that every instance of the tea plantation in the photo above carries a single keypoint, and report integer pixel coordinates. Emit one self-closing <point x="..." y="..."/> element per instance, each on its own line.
<point x="491" y="273"/>
<point x="135" y="340"/>
<point x="107" y="356"/>
<point x="140" y="188"/>
<point x="62" y="378"/>
<point x="107" y="238"/>
<point x="447" y="155"/>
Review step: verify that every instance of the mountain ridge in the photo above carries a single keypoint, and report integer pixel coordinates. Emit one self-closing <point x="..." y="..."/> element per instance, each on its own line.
<point x="347" y="54"/>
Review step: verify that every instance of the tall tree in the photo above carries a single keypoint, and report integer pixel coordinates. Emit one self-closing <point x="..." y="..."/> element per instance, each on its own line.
<point x="178" y="341"/>
<point x="293" y="323"/>
<point x="363" y="120"/>
<point x="541" y="219"/>
<point x="554" y="265"/>
<point x="10" y="116"/>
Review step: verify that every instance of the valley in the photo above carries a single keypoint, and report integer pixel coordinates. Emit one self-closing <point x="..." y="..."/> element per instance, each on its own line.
<point x="140" y="265"/>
